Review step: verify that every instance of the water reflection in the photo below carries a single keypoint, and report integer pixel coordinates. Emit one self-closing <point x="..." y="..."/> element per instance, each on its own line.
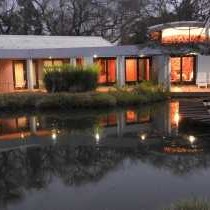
<point x="53" y="153"/>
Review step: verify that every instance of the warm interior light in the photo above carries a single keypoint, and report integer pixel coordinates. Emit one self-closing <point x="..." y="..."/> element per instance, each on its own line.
<point x="54" y="135"/>
<point x="183" y="35"/>
<point x="191" y="139"/>
<point x="174" y="113"/>
<point x="143" y="137"/>
<point x="97" y="136"/>
<point x="22" y="135"/>
<point x="177" y="118"/>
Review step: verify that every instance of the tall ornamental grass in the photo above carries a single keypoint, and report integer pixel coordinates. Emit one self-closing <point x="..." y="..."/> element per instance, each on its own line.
<point x="68" y="78"/>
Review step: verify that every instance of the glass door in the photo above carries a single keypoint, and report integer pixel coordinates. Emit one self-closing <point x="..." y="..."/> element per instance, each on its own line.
<point x="188" y="69"/>
<point x="144" y="69"/>
<point x="183" y="69"/>
<point x="20" y="81"/>
<point x="176" y="69"/>
<point x="131" y="70"/>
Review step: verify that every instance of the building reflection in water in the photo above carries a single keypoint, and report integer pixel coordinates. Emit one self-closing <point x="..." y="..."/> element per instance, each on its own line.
<point x="121" y="126"/>
<point x="174" y="118"/>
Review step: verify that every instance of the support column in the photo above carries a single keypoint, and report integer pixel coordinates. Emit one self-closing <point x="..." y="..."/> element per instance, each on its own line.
<point x="88" y="61"/>
<point x="30" y="75"/>
<point x="167" y="72"/>
<point x="120" y="124"/>
<point x="73" y="61"/>
<point x="164" y="71"/>
<point x="121" y="71"/>
<point x="32" y="123"/>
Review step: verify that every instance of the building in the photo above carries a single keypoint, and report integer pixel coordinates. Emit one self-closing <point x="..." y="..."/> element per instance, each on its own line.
<point x="22" y="58"/>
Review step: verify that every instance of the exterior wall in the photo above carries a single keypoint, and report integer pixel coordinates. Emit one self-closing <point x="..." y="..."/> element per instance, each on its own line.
<point x="121" y="71"/>
<point x="40" y="73"/>
<point x="203" y="63"/>
<point x="7" y="80"/>
<point x="161" y="65"/>
<point x="6" y="76"/>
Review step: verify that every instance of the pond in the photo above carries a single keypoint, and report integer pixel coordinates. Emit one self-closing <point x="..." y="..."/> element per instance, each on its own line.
<point x="142" y="158"/>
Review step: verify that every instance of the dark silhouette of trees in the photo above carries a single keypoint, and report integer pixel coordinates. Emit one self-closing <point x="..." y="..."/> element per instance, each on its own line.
<point x="122" y="21"/>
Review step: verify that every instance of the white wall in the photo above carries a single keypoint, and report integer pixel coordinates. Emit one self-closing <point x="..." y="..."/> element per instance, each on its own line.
<point x="161" y="65"/>
<point x="203" y="63"/>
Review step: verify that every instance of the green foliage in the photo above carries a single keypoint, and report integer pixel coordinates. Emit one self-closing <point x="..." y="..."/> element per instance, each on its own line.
<point x="20" y="101"/>
<point x="65" y="100"/>
<point x="191" y="205"/>
<point x="128" y="98"/>
<point x="104" y="100"/>
<point x="68" y="78"/>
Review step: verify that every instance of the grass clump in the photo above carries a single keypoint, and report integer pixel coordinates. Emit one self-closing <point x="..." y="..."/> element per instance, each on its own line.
<point x="68" y="78"/>
<point x="104" y="100"/>
<point x="66" y="100"/>
<point x="193" y="204"/>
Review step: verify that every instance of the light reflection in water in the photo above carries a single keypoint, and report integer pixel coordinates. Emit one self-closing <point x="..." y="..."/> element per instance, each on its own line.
<point x="138" y="125"/>
<point x="175" y="117"/>
<point x="80" y="150"/>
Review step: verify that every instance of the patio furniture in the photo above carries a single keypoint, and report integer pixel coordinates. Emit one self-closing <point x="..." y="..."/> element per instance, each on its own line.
<point x="202" y="80"/>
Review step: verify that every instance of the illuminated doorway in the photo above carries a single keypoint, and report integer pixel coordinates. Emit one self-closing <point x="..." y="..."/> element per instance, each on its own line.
<point x="137" y="69"/>
<point x="20" y="77"/>
<point x="107" y="70"/>
<point x="183" y="69"/>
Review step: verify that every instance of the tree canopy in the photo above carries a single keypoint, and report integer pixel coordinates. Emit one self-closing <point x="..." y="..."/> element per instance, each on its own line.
<point x="123" y="21"/>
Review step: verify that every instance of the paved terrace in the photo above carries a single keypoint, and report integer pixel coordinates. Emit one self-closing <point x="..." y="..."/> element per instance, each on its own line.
<point x="189" y="91"/>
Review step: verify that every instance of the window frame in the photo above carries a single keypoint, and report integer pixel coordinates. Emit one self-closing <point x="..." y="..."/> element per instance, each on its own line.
<point x="181" y="81"/>
<point x="138" y="69"/>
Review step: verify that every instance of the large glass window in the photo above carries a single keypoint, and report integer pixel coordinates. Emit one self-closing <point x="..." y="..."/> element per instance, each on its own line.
<point x="144" y="69"/>
<point x="183" y="69"/>
<point x="176" y="69"/>
<point x="137" y="69"/>
<point x="20" y="75"/>
<point x="187" y="69"/>
<point x="107" y="70"/>
<point x="51" y="62"/>
<point x="111" y="67"/>
<point x="131" y="69"/>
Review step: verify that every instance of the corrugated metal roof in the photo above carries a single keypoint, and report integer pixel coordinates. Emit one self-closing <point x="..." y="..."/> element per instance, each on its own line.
<point x="50" y="42"/>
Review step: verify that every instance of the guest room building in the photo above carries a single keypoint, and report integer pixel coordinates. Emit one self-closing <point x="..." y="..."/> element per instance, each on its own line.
<point x="23" y="57"/>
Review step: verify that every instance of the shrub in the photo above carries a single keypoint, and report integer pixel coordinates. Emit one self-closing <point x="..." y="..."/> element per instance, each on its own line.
<point x="69" y="78"/>
<point x="126" y="98"/>
<point x="54" y="101"/>
<point x="148" y="87"/>
<point x="104" y="100"/>
<point x="18" y="101"/>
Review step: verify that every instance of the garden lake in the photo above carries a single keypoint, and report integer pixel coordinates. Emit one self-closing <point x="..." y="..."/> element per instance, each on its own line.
<point x="135" y="158"/>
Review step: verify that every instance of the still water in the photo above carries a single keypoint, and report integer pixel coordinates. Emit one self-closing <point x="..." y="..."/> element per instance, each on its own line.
<point x="132" y="159"/>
